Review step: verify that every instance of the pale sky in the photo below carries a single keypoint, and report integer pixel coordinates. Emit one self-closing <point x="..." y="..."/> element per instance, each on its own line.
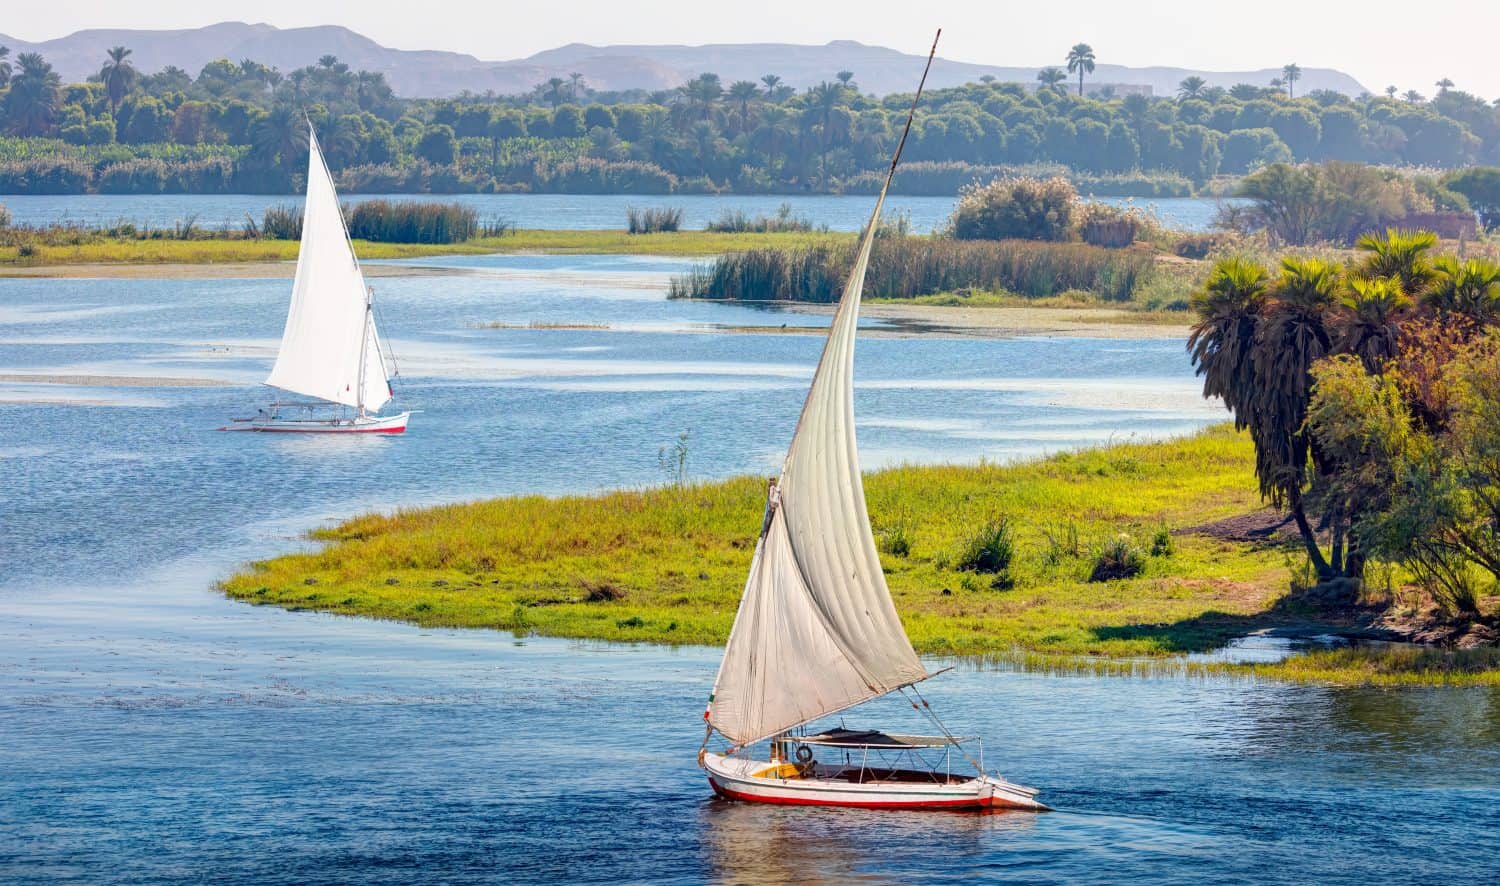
<point x="1380" y="42"/>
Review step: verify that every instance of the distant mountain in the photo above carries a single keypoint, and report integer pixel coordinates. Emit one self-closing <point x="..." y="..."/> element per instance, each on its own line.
<point x="435" y="73"/>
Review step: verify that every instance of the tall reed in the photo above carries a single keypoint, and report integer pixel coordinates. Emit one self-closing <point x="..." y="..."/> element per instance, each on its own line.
<point x="914" y="266"/>
<point x="652" y="221"/>
<point x="386" y="221"/>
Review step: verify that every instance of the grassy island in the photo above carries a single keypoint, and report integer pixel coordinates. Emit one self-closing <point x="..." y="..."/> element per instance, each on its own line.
<point x="667" y="565"/>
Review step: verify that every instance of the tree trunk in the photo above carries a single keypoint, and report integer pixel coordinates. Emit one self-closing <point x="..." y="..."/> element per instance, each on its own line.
<point x="1310" y="540"/>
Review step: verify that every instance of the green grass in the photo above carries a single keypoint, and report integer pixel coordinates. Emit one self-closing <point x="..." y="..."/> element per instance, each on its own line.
<point x="99" y="250"/>
<point x="667" y="565"/>
<point x="679" y="557"/>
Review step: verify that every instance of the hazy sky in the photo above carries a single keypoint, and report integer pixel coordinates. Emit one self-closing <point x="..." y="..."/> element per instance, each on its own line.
<point x="1380" y="42"/>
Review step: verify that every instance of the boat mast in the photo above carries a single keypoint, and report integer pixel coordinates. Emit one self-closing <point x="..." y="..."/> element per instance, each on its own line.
<point x="364" y="334"/>
<point x="773" y="493"/>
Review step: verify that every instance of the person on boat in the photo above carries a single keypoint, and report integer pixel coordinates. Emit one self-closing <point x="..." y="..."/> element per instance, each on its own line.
<point x="773" y="498"/>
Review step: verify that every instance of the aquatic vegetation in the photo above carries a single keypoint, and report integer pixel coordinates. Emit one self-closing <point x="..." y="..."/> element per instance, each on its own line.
<point x="653" y="220"/>
<point x="679" y="553"/>
<point x="908" y="267"/>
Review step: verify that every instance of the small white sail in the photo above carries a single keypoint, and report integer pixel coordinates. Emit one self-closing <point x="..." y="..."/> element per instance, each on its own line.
<point x="816" y="630"/>
<point x="325" y="349"/>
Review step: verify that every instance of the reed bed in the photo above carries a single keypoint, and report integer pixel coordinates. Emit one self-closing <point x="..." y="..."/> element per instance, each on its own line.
<point x="737" y="222"/>
<point x="653" y="221"/>
<point x="385" y="221"/>
<point x="909" y="267"/>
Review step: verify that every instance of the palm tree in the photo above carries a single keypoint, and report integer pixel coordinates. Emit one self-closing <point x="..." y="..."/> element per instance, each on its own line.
<point x="4" y="66"/>
<point x="118" y="75"/>
<point x="1222" y="341"/>
<point x="574" y="79"/>
<point x="1470" y="288"/>
<point x="1400" y="255"/>
<point x="1369" y="325"/>
<point x="772" y="84"/>
<point x="1413" y="96"/>
<point x="846" y="78"/>
<point x="1444" y="85"/>
<point x="327" y="62"/>
<point x="553" y="91"/>
<point x="1291" y="337"/>
<point x="1191" y="87"/>
<point x="1390" y="92"/>
<point x="1277" y="83"/>
<point x="1051" y="78"/>
<point x="1290" y="74"/>
<point x="1081" y="60"/>
<point x="775" y="125"/>
<point x="744" y="92"/>
<point x="35" y="96"/>
<point x="279" y="138"/>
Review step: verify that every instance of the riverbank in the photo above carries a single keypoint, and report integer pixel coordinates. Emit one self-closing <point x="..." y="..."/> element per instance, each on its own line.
<point x="667" y="565"/>
<point x="51" y="259"/>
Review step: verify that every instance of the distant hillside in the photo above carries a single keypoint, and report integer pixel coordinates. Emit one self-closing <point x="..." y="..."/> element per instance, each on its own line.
<point x="422" y="74"/>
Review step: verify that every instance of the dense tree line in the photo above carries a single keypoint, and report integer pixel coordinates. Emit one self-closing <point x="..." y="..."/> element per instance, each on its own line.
<point x="709" y="135"/>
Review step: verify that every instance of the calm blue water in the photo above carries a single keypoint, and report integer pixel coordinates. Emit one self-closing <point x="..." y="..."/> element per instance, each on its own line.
<point x="152" y="731"/>
<point x="543" y="211"/>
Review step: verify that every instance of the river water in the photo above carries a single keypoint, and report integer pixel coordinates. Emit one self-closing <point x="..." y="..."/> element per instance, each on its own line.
<point x="541" y="211"/>
<point x="151" y="730"/>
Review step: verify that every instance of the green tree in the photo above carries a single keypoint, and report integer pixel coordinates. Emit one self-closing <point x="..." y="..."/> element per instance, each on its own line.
<point x="1290" y="74"/>
<point x="5" y="68"/>
<point x="1081" y="61"/>
<point x="1481" y="187"/>
<point x="279" y="139"/>
<point x="438" y="145"/>
<point x="1051" y="78"/>
<point x="34" y="98"/>
<point x="1444" y="85"/>
<point x="118" y="74"/>
<point x="1191" y="87"/>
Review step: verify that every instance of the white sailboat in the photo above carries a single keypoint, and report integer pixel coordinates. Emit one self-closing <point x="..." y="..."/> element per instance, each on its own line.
<point x="817" y="631"/>
<point x="330" y="349"/>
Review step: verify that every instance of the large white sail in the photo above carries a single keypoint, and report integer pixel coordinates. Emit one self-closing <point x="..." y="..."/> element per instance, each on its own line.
<point x="325" y="349"/>
<point x="816" y="630"/>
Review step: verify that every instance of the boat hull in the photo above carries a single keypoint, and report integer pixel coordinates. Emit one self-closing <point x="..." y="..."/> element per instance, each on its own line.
<point x="738" y="779"/>
<point x="369" y="424"/>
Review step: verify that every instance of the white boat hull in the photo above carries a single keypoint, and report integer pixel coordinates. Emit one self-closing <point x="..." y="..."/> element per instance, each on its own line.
<point x="365" y="424"/>
<point x="757" y="781"/>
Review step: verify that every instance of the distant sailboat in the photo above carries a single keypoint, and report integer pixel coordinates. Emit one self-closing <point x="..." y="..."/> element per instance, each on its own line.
<point x="330" y="349"/>
<point x="817" y="631"/>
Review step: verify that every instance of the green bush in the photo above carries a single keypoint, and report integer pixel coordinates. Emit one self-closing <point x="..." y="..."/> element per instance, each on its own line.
<point x="989" y="551"/>
<point x="1119" y="558"/>
<point x="1020" y="207"/>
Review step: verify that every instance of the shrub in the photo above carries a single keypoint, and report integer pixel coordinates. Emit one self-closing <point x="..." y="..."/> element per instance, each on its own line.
<point x="653" y="221"/>
<point x="1020" y="208"/>
<point x="4" y="216"/>
<point x="1119" y="558"/>
<point x="895" y="541"/>
<point x="1100" y="224"/>
<point x="990" y="550"/>
<point x="1162" y="544"/>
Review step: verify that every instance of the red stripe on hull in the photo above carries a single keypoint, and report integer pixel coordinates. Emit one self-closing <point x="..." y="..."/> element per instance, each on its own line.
<point x="400" y="430"/>
<point x="963" y="803"/>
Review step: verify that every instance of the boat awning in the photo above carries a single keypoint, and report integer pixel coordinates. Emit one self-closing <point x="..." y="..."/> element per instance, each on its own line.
<point x="870" y="738"/>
